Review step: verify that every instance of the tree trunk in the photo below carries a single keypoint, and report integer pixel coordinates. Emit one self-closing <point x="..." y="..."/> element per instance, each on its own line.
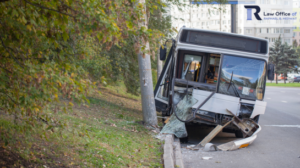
<point x="276" y="78"/>
<point x="284" y="78"/>
<point x="148" y="103"/>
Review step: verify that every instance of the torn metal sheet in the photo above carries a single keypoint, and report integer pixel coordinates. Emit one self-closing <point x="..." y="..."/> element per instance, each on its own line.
<point x="247" y="126"/>
<point x="176" y="127"/>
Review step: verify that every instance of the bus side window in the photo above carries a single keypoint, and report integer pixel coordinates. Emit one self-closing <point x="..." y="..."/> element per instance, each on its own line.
<point x="191" y="67"/>
<point x="212" y="71"/>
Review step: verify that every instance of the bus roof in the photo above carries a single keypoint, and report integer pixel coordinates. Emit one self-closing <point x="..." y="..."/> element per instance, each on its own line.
<point x="222" y="41"/>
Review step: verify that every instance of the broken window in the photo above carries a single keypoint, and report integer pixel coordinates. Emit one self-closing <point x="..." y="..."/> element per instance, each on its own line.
<point x="242" y="77"/>
<point x="191" y="67"/>
<point x="164" y="88"/>
<point x="212" y="71"/>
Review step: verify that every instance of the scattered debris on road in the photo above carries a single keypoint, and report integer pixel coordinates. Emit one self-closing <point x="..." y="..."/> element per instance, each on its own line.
<point x="248" y="127"/>
<point x="210" y="147"/>
<point x="211" y="135"/>
<point x="206" y="158"/>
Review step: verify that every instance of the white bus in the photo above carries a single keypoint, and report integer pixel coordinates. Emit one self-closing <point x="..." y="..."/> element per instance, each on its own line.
<point x="223" y="71"/>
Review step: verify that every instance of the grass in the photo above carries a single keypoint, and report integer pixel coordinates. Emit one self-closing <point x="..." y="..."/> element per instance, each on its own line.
<point x="284" y="84"/>
<point x="120" y="89"/>
<point x="108" y="133"/>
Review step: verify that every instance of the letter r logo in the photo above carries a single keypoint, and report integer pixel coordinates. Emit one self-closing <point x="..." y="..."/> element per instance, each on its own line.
<point x="249" y="12"/>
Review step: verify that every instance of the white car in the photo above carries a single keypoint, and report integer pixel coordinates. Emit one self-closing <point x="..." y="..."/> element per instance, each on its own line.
<point x="291" y="77"/>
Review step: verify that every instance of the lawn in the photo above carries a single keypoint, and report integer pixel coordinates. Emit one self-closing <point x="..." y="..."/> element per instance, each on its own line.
<point x="108" y="133"/>
<point x="284" y="84"/>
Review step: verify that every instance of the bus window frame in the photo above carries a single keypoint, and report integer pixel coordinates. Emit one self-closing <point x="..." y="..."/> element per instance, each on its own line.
<point x="235" y="55"/>
<point x="182" y="53"/>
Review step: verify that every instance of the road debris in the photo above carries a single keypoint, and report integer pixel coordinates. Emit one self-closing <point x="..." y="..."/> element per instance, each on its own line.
<point x="211" y="135"/>
<point x="249" y="128"/>
<point x="206" y="158"/>
<point x="191" y="147"/>
<point x="210" y="147"/>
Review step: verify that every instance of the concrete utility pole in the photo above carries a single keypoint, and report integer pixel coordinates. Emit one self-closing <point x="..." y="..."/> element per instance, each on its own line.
<point x="233" y="18"/>
<point x="148" y="103"/>
<point x="159" y="64"/>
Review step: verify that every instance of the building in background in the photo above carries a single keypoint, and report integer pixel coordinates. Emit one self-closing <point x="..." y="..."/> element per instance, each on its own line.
<point x="268" y="28"/>
<point x="205" y="16"/>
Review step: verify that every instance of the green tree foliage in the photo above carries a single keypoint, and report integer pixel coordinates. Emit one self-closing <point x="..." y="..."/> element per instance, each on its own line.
<point x="283" y="56"/>
<point x="123" y="63"/>
<point x="295" y="43"/>
<point x="56" y="48"/>
<point x="298" y="54"/>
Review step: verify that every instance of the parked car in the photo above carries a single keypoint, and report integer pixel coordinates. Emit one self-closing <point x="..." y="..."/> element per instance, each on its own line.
<point x="294" y="78"/>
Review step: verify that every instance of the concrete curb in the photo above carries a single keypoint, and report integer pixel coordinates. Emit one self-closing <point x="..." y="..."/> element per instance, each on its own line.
<point x="168" y="151"/>
<point x="178" y="156"/>
<point x="172" y="152"/>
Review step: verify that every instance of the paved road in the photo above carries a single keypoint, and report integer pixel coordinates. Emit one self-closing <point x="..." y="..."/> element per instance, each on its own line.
<point x="276" y="146"/>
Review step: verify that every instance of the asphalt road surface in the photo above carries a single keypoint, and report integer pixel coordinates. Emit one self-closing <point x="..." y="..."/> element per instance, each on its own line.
<point x="277" y="144"/>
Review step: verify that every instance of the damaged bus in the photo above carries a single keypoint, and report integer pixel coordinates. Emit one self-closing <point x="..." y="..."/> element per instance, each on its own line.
<point x="225" y="73"/>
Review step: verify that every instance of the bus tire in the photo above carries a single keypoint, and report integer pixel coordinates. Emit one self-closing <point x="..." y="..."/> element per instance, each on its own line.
<point x="239" y="134"/>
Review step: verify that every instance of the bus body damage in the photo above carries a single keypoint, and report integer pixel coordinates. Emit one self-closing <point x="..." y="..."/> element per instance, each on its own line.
<point x="184" y="111"/>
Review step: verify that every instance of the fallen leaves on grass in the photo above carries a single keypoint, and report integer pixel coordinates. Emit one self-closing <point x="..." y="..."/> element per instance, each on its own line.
<point x="113" y="125"/>
<point x="131" y="130"/>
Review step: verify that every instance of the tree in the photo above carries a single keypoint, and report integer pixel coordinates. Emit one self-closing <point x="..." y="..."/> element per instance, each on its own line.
<point x="298" y="55"/>
<point x="284" y="58"/>
<point x="49" y="49"/>
<point x="295" y="43"/>
<point x="221" y="7"/>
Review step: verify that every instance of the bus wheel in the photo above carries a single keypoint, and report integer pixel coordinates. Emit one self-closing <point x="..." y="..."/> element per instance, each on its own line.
<point x="239" y="134"/>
